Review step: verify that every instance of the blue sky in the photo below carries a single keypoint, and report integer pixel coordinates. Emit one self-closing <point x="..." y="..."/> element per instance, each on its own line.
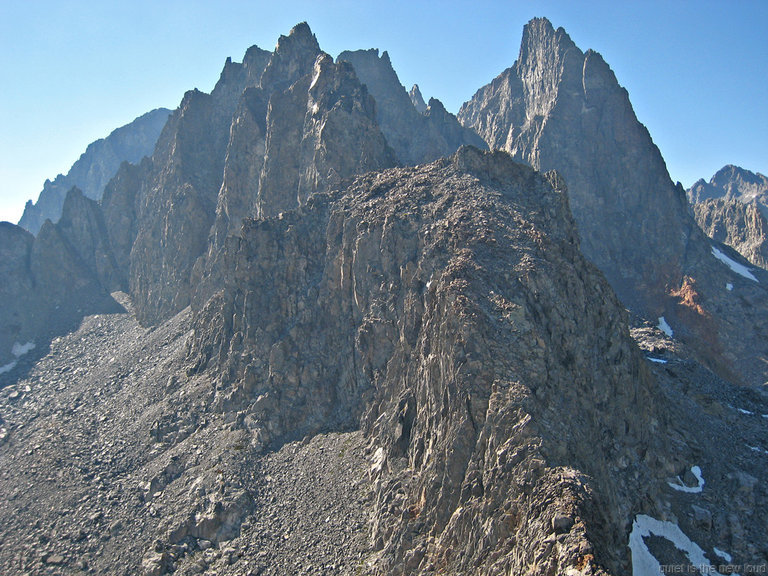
<point x="696" y="72"/>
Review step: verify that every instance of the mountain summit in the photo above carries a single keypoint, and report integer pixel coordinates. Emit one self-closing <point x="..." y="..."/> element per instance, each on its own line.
<point x="560" y="108"/>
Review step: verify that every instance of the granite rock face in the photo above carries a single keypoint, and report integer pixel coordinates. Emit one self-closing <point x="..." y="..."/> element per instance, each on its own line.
<point x="732" y="208"/>
<point x="82" y="224"/>
<point x="741" y="226"/>
<point x="273" y="131"/>
<point x="561" y="108"/>
<point x="416" y="135"/>
<point x="436" y="305"/>
<point x="97" y="165"/>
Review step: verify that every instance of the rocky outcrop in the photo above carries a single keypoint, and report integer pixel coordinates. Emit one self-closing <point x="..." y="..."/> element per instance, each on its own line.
<point x="19" y="317"/>
<point x="304" y="125"/>
<point x="561" y="108"/>
<point x="416" y="136"/>
<point x="319" y="131"/>
<point x="731" y="183"/>
<point x="437" y="305"/>
<point x="417" y="99"/>
<point x="96" y="166"/>
<point x="742" y="226"/>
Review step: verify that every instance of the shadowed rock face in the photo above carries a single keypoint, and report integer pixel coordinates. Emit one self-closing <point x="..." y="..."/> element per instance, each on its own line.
<point x="45" y="284"/>
<point x="95" y="167"/>
<point x="560" y="108"/>
<point x="449" y="307"/>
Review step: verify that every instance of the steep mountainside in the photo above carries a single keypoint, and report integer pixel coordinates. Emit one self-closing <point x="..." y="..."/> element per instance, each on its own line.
<point x="561" y="108"/>
<point x="97" y="165"/>
<point x="732" y="208"/>
<point x="450" y="309"/>
<point x="742" y="226"/>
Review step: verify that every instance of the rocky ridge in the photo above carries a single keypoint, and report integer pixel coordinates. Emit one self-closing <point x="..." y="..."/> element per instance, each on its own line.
<point x="741" y="226"/>
<point x="95" y="167"/>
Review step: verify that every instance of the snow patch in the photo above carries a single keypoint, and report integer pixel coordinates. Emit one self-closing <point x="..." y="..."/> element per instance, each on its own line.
<point x="756" y="449"/>
<point x="680" y="487"/>
<point x="657" y="360"/>
<point x="664" y="327"/>
<point x="7" y="367"/>
<point x="740" y="269"/>
<point x="745" y="411"/>
<point x="729" y="286"/>
<point x="21" y="349"/>
<point x="724" y="555"/>
<point x="644" y="563"/>
<point x="377" y="462"/>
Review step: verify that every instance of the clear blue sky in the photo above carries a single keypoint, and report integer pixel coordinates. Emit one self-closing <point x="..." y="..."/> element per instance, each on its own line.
<point x="696" y="72"/>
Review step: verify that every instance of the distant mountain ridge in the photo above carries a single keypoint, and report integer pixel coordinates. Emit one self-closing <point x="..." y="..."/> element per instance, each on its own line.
<point x="733" y="208"/>
<point x="731" y="183"/>
<point x="95" y="167"/>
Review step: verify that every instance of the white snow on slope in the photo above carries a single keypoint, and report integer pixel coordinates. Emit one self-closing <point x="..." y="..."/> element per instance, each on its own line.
<point x="21" y="349"/>
<point x="729" y="286"/>
<point x="733" y="265"/>
<point x="657" y="360"/>
<point x="18" y="350"/>
<point x="680" y="487"/>
<point x="664" y="327"/>
<point x="724" y="555"/>
<point x="644" y="563"/>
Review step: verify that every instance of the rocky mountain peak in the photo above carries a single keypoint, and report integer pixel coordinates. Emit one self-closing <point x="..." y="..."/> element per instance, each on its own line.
<point x="417" y="99"/>
<point x="293" y="58"/>
<point x="733" y="183"/>
<point x="414" y="138"/>
<point x="563" y="109"/>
